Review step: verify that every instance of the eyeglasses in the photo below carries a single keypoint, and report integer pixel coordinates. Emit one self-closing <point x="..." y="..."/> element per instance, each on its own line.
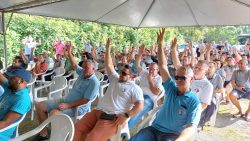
<point x="84" y="56"/>
<point x="124" y="73"/>
<point x="181" y="78"/>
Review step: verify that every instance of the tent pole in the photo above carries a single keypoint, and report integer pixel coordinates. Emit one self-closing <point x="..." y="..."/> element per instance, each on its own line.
<point x="8" y="24"/>
<point x="4" y="42"/>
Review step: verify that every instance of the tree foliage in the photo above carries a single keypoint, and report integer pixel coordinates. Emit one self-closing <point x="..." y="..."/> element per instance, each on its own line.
<point x="50" y="29"/>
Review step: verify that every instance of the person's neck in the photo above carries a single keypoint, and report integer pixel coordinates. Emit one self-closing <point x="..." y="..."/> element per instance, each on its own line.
<point x="182" y="91"/>
<point x="87" y="76"/>
<point x="199" y="77"/>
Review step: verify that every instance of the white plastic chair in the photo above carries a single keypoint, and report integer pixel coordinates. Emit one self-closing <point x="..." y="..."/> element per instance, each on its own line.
<point x="148" y="119"/>
<point x="59" y="71"/>
<point x="99" y="76"/>
<point x="62" y="129"/>
<point x="77" y="116"/>
<point x="56" y="88"/>
<point x="101" y="90"/>
<point x="16" y="124"/>
<point x="31" y="93"/>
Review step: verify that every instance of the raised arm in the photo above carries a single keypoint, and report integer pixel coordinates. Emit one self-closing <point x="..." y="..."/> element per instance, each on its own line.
<point x="161" y="56"/>
<point x="138" y="58"/>
<point x="174" y="49"/>
<point x="108" y="60"/>
<point x="190" y="45"/>
<point x="208" y="50"/>
<point x="72" y="58"/>
<point x="2" y="78"/>
<point x="25" y="59"/>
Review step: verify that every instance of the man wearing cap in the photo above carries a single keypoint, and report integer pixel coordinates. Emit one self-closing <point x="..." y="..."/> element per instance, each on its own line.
<point x="15" y="101"/>
<point x="18" y="66"/>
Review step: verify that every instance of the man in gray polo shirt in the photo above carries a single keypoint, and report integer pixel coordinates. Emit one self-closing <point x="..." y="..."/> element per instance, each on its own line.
<point x="241" y="88"/>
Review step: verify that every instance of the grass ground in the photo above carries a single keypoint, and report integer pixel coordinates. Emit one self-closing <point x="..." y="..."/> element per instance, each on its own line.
<point x="225" y="129"/>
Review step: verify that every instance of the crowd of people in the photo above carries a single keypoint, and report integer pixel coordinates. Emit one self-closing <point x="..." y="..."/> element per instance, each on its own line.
<point x="188" y="85"/>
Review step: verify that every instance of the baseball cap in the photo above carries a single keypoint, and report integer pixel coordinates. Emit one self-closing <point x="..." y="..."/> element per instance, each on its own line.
<point x="20" y="72"/>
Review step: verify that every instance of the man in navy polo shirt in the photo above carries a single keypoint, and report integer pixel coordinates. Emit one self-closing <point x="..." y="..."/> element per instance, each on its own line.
<point x="180" y="114"/>
<point x="14" y="102"/>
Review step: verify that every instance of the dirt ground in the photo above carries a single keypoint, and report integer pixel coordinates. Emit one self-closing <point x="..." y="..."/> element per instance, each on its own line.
<point x="226" y="128"/>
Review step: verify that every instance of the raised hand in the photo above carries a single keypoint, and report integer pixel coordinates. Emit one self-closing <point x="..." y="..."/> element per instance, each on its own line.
<point x="160" y="37"/>
<point x="108" y="44"/>
<point x="141" y="48"/>
<point x="174" y="44"/>
<point x="209" y="47"/>
<point x="190" y="45"/>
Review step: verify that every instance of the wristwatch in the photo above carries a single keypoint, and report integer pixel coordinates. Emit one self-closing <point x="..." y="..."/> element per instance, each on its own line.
<point x="126" y="115"/>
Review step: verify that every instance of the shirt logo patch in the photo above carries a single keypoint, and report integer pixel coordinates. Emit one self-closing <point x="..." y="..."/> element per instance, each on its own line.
<point x="196" y="90"/>
<point x="180" y="111"/>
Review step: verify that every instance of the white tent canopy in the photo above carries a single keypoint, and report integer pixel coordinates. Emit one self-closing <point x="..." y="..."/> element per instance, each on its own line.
<point x="140" y="13"/>
<point x="134" y="13"/>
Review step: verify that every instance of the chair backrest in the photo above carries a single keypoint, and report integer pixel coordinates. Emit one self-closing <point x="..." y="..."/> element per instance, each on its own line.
<point x="99" y="76"/>
<point x="62" y="129"/>
<point x="57" y="86"/>
<point x="31" y="87"/>
<point x="15" y="124"/>
<point x="59" y="71"/>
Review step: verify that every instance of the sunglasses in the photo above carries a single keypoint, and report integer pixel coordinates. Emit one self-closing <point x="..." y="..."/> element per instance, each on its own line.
<point x="124" y="73"/>
<point x="181" y="78"/>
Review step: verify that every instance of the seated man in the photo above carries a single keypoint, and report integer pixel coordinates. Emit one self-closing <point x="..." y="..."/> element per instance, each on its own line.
<point x="151" y="84"/>
<point x="17" y="65"/>
<point x="84" y="91"/>
<point x="14" y="102"/>
<point x="241" y="88"/>
<point x="180" y="114"/>
<point x="122" y="100"/>
<point x="41" y="65"/>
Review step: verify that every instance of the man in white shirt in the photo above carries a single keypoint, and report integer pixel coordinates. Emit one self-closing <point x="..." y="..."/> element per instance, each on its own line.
<point x="200" y="85"/>
<point x="122" y="100"/>
<point x="151" y="84"/>
<point x="29" y="44"/>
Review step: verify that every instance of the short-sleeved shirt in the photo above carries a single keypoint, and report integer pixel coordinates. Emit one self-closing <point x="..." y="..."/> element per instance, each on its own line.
<point x="119" y="97"/>
<point x="216" y="81"/>
<point x="18" y="102"/>
<point x="222" y="73"/>
<point x="203" y="89"/>
<point x="59" y="48"/>
<point x="229" y="72"/>
<point x="44" y="67"/>
<point x="242" y="78"/>
<point x="157" y="80"/>
<point x="177" y="111"/>
<point x="87" y="88"/>
<point x="28" y="47"/>
<point x="88" y="48"/>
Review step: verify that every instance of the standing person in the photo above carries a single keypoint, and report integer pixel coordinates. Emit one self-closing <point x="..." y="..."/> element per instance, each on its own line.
<point x="87" y="44"/>
<point x="151" y="84"/>
<point x="122" y="100"/>
<point x="59" y="46"/>
<point x="180" y="114"/>
<point x="29" y="44"/>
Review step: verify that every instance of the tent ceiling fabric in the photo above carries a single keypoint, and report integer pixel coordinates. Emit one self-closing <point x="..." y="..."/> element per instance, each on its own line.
<point x="148" y="13"/>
